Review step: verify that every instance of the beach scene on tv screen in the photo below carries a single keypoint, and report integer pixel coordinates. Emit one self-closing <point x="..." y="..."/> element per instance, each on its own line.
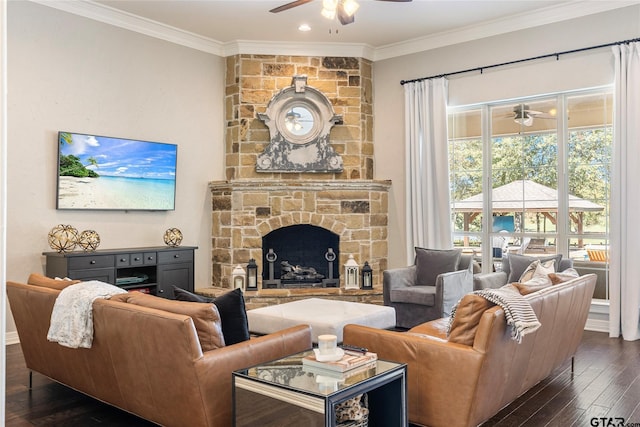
<point x="97" y="172"/>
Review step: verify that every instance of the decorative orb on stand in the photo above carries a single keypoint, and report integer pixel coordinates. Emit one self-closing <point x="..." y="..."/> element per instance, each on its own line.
<point x="89" y="240"/>
<point x="63" y="238"/>
<point x="173" y="237"/>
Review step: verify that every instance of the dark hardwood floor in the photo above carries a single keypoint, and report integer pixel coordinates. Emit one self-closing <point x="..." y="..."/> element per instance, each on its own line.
<point x="605" y="387"/>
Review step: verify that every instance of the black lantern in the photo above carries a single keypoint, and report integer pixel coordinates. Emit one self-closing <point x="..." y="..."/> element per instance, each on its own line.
<point x="252" y="275"/>
<point x="367" y="276"/>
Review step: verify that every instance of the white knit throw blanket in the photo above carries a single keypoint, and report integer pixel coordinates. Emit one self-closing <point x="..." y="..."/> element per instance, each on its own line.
<point x="72" y="317"/>
<point x="517" y="310"/>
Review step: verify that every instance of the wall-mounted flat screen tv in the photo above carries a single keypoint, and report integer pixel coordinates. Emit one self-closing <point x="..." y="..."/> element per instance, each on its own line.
<point x="107" y="173"/>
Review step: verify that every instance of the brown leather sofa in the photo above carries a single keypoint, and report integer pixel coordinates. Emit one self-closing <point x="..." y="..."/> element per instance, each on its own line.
<point x="466" y="378"/>
<point x="146" y="361"/>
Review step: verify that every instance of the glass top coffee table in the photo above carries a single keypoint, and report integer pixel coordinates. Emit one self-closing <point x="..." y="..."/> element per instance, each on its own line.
<point x="285" y="393"/>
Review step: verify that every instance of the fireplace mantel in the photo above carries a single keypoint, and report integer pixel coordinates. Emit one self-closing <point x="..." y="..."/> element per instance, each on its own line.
<point x="243" y="211"/>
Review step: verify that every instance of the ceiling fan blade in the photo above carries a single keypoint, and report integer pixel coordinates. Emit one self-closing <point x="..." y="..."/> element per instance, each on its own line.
<point x="289" y="5"/>
<point x="397" y="1"/>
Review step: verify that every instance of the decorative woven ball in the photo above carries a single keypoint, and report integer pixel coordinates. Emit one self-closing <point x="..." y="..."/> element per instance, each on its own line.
<point x="89" y="240"/>
<point x="63" y="238"/>
<point x="173" y="237"/>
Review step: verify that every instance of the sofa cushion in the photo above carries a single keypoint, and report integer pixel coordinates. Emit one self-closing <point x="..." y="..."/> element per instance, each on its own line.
<point x="432" y="262"/>
<point x="233" y="314"/>
<point x="422" y="295"/>
<point x="519" y="263"/>
<point x="466" y="317"/>
<point x="538" y="269"/>
<point x="206" y="318"/>
<point x="564" y="276"/>
<point x="47" y="282"/>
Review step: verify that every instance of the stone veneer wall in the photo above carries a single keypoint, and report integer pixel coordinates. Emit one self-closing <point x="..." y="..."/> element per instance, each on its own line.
<point x="250" y="204"/>
<point x="246" y="210"/>
<point x="251" y="82"/>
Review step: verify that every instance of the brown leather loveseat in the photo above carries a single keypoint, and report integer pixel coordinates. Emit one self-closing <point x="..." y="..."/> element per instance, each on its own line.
<point x="466" y="378"/>
<point x="146" y="361"/>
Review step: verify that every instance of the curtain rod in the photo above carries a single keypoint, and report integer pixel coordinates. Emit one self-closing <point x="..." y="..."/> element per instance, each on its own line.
<point x="533" y="58"/>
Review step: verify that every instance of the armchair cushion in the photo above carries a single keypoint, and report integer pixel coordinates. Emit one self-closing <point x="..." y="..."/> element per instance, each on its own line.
<point x="423" y="295"/>
<point x="37" y="279"/>
<point x="432" y="262"/>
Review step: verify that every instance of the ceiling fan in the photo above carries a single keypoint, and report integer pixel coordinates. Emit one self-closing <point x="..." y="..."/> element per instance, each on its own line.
<point x="522" y="115"/>
<point x="344" y="10"/>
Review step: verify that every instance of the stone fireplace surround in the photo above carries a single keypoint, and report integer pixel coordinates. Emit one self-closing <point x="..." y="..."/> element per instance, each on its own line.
<point x="244" y="211"/>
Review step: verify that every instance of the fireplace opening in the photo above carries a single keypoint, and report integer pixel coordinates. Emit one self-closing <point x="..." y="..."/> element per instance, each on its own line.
<point x="301" y="255"/>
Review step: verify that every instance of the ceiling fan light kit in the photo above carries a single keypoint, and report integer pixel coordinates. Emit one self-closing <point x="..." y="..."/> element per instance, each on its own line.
<point x="344" y="10"/>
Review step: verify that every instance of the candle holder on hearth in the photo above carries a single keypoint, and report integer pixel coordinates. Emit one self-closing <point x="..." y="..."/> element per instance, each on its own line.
<point x="367" y="276"/>
<point x="351" y="273"/>
<point x="252" y="275"/>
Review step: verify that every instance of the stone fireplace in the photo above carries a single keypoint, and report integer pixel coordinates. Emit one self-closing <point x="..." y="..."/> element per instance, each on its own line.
<point x="250" y="207"/>
<point x="245" y="212"/>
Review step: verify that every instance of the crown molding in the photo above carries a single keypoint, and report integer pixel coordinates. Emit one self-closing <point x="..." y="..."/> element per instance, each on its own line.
<point x="118" y="18"/>
<point x="128" y="21"/>
<point x="550" y="15"/>
<point x="357" y="50"/>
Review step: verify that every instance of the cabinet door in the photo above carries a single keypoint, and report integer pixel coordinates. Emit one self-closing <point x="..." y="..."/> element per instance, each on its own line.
<point x="107" y="275"/>
<point x="175" y="274"/>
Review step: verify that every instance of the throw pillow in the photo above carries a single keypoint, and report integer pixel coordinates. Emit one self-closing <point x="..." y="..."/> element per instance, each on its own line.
<point x="566" y="275"/>
<point x="36" y="279"/>
<point x="466" y="317"/>
<point x="432" y="262"/>
<point x="519" y="263"/>
<point x="235" y="325"/>
<point x="538" y="269"/>
<point x="206" y="318"/>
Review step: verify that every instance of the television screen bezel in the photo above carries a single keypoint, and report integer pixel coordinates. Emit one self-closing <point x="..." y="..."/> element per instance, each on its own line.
<point x="116" y="208"/>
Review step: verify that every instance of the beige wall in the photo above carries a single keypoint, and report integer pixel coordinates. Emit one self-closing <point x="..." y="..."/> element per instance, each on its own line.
<point x="575" y="71"/>
<point x="70" y="73"/>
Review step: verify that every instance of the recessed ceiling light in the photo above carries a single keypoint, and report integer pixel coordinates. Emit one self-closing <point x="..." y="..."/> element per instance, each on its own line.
<point x="304" y="27"/>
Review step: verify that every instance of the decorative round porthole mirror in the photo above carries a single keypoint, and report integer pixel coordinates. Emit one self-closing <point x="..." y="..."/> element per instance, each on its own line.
<point x="299" y="119"/>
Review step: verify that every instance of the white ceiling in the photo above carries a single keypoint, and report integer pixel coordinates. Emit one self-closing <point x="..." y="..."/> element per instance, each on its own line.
<point x="381" y="28"/>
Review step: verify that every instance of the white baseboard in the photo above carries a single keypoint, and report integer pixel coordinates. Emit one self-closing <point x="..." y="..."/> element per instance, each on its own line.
<point x="597" y="325"/>
<point x="12" y="338"/>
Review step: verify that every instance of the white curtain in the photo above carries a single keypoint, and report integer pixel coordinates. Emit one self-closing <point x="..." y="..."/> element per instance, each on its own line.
<point x="624" y="274"/>
<point x="427" y="166"/>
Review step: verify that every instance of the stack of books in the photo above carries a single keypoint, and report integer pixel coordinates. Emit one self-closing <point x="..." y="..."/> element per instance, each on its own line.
<point x="349" y="362"/>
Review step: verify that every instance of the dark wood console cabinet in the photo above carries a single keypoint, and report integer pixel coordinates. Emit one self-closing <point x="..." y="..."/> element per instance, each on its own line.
<point x="153" y="270"/>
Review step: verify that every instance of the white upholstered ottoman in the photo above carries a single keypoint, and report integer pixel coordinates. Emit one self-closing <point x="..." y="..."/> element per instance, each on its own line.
<point x="323" y="315"/>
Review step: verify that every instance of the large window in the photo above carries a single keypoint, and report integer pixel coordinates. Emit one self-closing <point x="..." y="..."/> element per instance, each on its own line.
<point x="532" y="176"/>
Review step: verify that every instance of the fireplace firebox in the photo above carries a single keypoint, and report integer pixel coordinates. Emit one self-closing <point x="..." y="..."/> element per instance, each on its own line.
<point x="301" y="255"/>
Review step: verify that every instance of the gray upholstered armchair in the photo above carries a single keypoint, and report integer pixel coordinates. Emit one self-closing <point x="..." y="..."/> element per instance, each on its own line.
<point x="430" y="288"/>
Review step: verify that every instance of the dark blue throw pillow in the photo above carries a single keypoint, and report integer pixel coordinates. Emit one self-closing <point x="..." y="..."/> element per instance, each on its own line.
<point x="233" y="314"/>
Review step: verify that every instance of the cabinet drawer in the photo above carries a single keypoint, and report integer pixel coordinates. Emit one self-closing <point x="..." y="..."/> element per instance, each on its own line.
<point x="122" y="260"/>
<point x="150" y="258"/>
<point x="136" y="259"/>
<point x="175" y="256"/>
<point x="97" y="261"/>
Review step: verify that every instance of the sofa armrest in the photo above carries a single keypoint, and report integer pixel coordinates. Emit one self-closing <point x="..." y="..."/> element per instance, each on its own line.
<point x="489" y="280"/>
<point x="214" y="369"/>
<point x="395" y="278"/>
<point x="441" y="375"/>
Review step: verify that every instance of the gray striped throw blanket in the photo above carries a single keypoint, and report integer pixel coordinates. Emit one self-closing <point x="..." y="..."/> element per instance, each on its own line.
<point x="517" y="310"/>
